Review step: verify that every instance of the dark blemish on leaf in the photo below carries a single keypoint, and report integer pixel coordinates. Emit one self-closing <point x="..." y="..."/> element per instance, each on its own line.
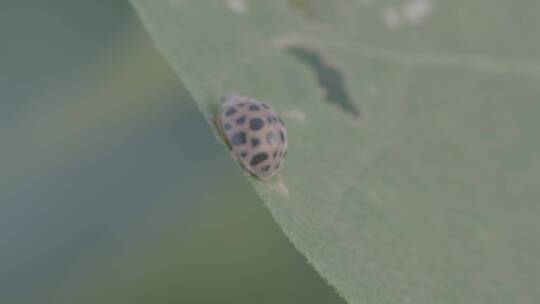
<point x="258" y="158"/>
<point x="255" y="142"/>
<point x="241" y="120"/>
<point x="304" y="6"/>
<point x="230" y="112"/>
<point x="254" y="107"/>
<point x="329" y="78"/>
<point x="238" y="139"/>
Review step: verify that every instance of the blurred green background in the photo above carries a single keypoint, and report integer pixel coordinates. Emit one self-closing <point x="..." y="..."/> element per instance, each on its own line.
<point x="112" y="187"/>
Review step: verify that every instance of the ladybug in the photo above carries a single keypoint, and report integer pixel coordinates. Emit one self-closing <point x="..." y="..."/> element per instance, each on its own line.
<point x="255" y="134"/>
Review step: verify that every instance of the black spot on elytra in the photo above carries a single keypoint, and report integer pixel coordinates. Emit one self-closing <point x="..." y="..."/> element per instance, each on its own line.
<point x="274" y="119"/>
<point x="241" y="104"/>
<point x="282" y="136"/>
<point x="241" y="120"/>
<point x="258" y="158"/>
<point x="270" y="137"/>
<point x="230" y="111"/>
<point x="254" y="107"/>
<point x="265" y="168"/>
<point x="329" y="78"/>
<point x="238" y="138"/>
<point x="255" y="142"/>
<point x="256" y="124"/>
<point x="243" y="154"/>
<point x="227" y="126"/>
<point x="275" y="154"/>
<point x="269" y="119"/>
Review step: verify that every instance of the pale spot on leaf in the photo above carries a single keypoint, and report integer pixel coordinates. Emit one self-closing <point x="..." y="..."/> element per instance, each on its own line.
<point x="238" y="6"/>
<point x="412" y="12"/>
<point x="280" y="188"/>
<point x="415" y="11"/>
<point x="295" y="115"/>
<point x="391" y="18"/>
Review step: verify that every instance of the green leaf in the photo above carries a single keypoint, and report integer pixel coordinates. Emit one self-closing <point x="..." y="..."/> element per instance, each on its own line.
<point x="413" y="174"/>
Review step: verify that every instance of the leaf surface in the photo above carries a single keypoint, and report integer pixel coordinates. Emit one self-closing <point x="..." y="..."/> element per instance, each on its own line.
<point x="413" y="168"/>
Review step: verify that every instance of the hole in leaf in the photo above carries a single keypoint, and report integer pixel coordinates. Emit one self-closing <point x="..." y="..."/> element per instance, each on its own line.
<point x="329" y="78"/>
